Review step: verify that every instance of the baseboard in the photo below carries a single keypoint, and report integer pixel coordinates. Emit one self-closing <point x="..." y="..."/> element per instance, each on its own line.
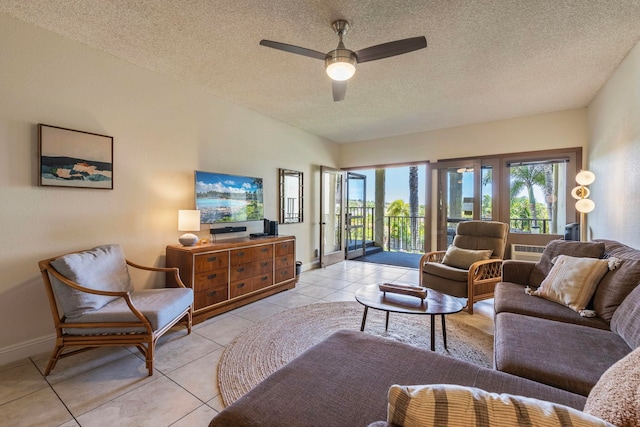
<point x="24" y="349"/>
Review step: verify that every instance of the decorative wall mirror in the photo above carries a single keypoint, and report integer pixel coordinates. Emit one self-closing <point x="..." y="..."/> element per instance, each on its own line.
<point x="290" y="200"/>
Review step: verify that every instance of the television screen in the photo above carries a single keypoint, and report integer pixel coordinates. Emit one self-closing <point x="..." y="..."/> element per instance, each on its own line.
<point x="228" y="198"/>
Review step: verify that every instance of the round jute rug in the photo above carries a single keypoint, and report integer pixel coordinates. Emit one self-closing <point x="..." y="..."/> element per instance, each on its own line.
<point x="270" y="344"/>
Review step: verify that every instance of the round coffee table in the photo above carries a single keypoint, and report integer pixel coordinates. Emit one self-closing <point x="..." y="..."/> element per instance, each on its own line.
<point x="436" y="303"/>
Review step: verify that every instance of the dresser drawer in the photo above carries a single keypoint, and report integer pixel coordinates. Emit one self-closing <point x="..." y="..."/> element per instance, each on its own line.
<point x="208" y="262"/>
<point x="242" y="256"/>
<point x="284" y="248"/>
<point x="210" y="296"/>
<point x="210" y="279"/>
<point x="250" y="269"/>
<point x="283" y="274"/>
<point x="284" y="261"/>
<point x="250" y="284"/>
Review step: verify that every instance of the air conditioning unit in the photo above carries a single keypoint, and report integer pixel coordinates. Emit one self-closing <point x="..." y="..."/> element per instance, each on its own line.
<point x="526" y="252"/>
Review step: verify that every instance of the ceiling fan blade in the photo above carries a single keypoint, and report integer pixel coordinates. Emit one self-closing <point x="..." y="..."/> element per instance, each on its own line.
<point x="386" y="50"/>
<point x="339" y="90"/>
<point x="294" y="49"/>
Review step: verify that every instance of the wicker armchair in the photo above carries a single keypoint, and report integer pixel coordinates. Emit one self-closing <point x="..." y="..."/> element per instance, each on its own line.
<point x="100" y="308"/>
<point x="475" y="279"/>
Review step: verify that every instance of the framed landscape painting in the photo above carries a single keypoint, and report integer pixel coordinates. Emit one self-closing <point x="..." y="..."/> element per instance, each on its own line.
<point x="71" y="158"/>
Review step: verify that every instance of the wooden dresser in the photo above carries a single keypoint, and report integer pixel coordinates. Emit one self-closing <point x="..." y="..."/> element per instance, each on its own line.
<point x="234" y="272"/>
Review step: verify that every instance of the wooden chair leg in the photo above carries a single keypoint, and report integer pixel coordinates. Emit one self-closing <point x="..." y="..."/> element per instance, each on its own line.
<point x="53" y="359"/>
<point x="150" y="356"/>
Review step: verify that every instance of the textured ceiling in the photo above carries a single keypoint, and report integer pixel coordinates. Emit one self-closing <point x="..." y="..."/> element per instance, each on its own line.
<point x="485" y="60"/>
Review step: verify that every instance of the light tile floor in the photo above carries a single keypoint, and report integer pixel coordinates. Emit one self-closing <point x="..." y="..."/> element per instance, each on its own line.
<point x="110" y="386"/>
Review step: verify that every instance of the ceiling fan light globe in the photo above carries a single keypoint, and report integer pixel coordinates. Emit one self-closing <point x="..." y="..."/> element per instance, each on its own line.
<point x="340" y="64"/>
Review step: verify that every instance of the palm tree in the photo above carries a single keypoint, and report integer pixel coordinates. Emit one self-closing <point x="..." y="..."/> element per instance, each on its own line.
<point x="413" y="205"/>
<point x="526" y="177"/>
<point x="397" y="208"/>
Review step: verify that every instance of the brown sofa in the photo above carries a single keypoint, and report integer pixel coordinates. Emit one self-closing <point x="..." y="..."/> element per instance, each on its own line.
<point x="550" y="343"/>
<point x="550" y="354"/>
<point x="344" y="380"/>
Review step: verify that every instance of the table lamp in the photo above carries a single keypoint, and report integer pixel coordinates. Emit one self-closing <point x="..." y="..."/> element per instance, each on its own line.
<point x="188" y="220"/>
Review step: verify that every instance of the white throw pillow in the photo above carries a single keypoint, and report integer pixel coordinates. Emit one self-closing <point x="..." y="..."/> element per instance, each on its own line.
<point x="453" y="405"/>
<point x="572" y="281"/>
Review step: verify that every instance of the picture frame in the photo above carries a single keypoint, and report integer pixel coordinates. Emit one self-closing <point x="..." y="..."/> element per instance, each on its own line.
<point x="73" y="158"/>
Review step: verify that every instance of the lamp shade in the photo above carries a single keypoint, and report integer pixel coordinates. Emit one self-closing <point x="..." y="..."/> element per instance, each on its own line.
<point x="580" y="192"/>
<point x="188" y="220"/>
<point x="585" y="205"/>
<point x="585" y="177"/>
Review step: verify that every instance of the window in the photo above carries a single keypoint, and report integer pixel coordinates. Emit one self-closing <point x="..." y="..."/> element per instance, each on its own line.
<point x="537" y="191"/>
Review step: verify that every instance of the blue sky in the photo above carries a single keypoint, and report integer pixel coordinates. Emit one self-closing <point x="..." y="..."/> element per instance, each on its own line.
<point x="396" y="184"/>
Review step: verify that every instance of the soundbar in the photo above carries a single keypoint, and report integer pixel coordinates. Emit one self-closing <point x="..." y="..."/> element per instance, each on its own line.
<point x="227" y="230"/>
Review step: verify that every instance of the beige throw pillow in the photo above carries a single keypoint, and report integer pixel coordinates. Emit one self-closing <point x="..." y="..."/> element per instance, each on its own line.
<point x="616" y="395"/>
<point x="572" y="281"/>
<point x="463" y="258"/>
<point x="453" y="405"/>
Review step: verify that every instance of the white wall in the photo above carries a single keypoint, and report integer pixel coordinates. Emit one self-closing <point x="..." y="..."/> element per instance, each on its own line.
<point x="562" y="129"/>
<point x="614" y="154"/>
<point x="163" y="130"/>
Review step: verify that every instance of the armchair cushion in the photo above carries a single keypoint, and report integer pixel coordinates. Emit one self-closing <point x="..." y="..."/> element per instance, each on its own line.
<point x="563" y="247"/>
<point x="446" y="272"/>
<point x="159" y="306"/>
<point x="102" y="268"/>
<point x="463" y="258"/>
<point x="482" y="235"/>
<point x="456" y="405"/>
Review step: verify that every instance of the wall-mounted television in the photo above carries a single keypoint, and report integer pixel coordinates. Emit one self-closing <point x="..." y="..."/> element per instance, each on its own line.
<point x="228" y="198"/>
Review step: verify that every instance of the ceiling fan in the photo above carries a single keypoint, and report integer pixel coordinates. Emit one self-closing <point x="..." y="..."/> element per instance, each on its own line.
<point x="340" y="63"/>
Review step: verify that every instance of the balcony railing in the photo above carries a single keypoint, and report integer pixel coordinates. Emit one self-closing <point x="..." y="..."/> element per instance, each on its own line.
<point x="398" y="235"/>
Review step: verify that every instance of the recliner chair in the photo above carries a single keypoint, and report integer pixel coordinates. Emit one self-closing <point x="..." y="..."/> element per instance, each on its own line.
<point x="472" y="266"/>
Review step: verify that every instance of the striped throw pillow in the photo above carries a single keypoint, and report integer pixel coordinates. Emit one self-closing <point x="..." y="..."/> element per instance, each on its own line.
<point x="572" y="281"/>
<point x="444" y="405"/>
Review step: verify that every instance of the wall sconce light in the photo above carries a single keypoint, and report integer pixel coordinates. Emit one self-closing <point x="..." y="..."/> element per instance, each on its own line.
<point x="581" y="193"/>
<point x="188" y="220"/>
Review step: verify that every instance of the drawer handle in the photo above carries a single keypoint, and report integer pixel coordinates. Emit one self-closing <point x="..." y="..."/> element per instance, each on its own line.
<point x="264" y="278"/>
<point x="211" y="293"/>
<point x="240" y="285"/>
<point x="211" y="276"/>
<point x="240" y="254"/>
<point x="264" y="264"/>
<point x="285" y="245"/>
<point x="264" y="250"/>
<point x="212" y="258"/>
<point x="240" y="270"/>
<point x="284" y="259"/>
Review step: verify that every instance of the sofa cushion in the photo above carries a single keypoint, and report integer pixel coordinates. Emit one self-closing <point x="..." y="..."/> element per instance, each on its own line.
<point x="563" y="247"/>
<point x="572" y="281"/>
<point x="455" y="405"/>
<point x="616" y="396"/>
<point x="351" y="372"/>
<point x="159" y="306"/>
<point x="617" y="284"/>
<point x="463" y="258"/>
<point x="626" y="319"/>
<point x="511" y="298"/>
<point x="555" y="353"/>
<point x="102" y="268"/>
